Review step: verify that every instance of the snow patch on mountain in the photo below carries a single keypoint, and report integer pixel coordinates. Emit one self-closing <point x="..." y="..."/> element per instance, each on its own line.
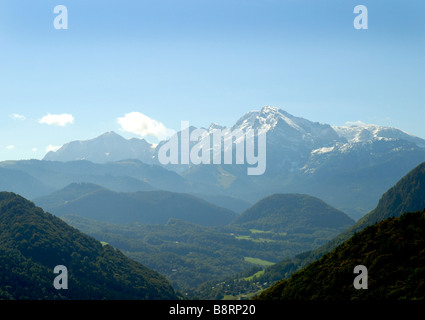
<point x="323" y="150"/>
<point x="362" y="132"/>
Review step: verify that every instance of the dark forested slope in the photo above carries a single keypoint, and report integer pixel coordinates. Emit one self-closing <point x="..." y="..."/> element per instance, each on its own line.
<point x="33" y="242"/>
<point x="392" y="250"/>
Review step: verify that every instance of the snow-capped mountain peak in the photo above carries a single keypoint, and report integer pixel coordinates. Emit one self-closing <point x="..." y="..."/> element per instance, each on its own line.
<point x="281" y="125"/>
<point x="269" y="118"/>
<point x="362" y="132"/>
<point x="109" y="146"/>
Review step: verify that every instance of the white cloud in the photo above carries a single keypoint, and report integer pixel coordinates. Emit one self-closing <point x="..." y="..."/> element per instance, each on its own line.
<point x="34" y="149"/>
<point x="16" y="116"/>
<point x="58" y="119"/>
<point x="142" y="125"/>
<point x="52" y="148"/>
<point x="10" y="147"/>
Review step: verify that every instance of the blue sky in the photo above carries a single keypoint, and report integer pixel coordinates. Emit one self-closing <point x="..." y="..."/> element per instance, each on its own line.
<point x="203" y="61"/>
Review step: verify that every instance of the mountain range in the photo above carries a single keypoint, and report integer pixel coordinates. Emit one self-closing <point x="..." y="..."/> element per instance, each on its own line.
<point x="349" y="166"/>
<point x="297" y="139"/>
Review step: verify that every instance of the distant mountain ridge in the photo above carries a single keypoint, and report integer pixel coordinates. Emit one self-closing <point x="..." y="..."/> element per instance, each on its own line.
<point x="144" y="207"/>
<point x="71" y="192"/>
<point x="123" y="176"/>
<point x="107" y="147"/>
<point x="22" y="182"/>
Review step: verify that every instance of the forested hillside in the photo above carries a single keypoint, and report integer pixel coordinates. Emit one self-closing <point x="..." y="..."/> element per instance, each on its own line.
<point x="33" y="242"/>
<point x="393" y="251"/>
<point x="295" y="213"/>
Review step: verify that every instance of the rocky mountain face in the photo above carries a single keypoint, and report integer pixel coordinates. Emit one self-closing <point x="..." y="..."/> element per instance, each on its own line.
<point x="110" y="146"/>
